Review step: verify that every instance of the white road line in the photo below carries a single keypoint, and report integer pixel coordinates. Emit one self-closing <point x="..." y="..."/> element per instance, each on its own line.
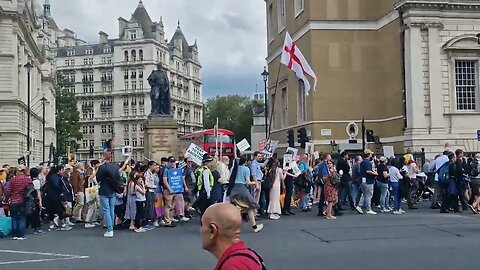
<point x="61" y="257"/>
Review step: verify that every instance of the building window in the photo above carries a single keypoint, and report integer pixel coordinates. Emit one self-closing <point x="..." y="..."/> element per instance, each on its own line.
<point x="125" y="57"/>
<point x="301" y="103"/>
<point x="142" y="142"/>
<point x="109" y="60"/>
<point x="134" y="85"/>
<point x="299" y="6"/>
<point x="85" y="129"/>
<point x="140" y="84"/>
<point x="134" y="111"/>
<point x="134" y="75"/>
<point x="140" y="74"/>
<point x="142" y="127"/>
<point x="104" y="129"/>
<point x="85" y="144"/>
<point x="284" y="107"/>
<point x="126" y="142"/>
<point x="104" y="60"/>
<point x="466" y="84"/>
<point x="70" y="52"/>
<point x="140" y="55"/>
<point x="134" y="142"/>
<point x="133" y="34"/>
<point x="92" y="142"/>
<point x="269" y="24"/>
<point x="110" y="129"/>
<point x="126" y="128"/>
<point x="134" y="127"/>
<point x="126" y="85"/>
<point x="89" y="51"/>
<point x="107" y="49"/>
<point x="90" y="115"/>
<point x="134" y="55"/>
<point x="281" y="15"/>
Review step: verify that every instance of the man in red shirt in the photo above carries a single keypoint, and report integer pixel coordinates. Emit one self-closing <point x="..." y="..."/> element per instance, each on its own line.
<point x="220" y="232"/>
<point x="16" y="194"/>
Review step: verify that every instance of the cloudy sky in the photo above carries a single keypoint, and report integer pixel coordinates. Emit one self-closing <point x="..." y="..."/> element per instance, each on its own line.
<point x="230" y="34"/>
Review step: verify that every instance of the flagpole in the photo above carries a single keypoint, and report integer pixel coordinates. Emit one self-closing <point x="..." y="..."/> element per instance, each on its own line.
<point x="216" y="139"/>
<point x="274" y="96"/>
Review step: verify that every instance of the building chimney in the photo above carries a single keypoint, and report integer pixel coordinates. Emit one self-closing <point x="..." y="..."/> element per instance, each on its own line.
<point x="103" y="37"/>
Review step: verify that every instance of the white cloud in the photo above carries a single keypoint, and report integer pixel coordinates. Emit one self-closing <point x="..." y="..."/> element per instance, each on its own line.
<point x="231" y="34"/>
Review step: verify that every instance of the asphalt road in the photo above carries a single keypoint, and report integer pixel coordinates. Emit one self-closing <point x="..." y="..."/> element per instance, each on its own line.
<point x="423" y="239"/>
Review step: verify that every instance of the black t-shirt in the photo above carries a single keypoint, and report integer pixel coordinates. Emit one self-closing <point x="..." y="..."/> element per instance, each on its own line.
<point x="380" y="169"/>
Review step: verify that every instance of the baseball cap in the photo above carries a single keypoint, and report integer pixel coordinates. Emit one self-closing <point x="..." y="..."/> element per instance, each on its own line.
<point x="367" y="152"/>
<point x="171" y="159"/>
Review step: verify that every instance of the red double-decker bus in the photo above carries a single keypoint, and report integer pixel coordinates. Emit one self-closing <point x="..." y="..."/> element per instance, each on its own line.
<point x="207" y="141"/>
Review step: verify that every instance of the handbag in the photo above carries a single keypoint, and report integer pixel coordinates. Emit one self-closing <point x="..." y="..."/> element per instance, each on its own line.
<point x="91" y="193"/>
<point x="335" y="178"/>
<point x="68" y="211"/>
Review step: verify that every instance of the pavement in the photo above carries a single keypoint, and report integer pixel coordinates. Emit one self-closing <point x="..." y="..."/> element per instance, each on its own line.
<point x="420" y="239"/>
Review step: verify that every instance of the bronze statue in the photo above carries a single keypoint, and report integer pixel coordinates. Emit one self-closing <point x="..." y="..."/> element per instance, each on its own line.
<point x="160" y="93"/>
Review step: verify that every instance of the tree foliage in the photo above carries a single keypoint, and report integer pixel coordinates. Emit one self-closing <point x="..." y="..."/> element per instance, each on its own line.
<point x="234" y="113"/>
<point x="67" y="116"/>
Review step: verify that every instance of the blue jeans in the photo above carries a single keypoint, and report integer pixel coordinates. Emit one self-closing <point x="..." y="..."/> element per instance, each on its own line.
<point x="19" y="219"/>
<point x="396" y="195"/>
<point x="384" y="194"/>
<point x="367" y="194"/>
<point x="354" y="193"/>
<point x="108" y="208"/>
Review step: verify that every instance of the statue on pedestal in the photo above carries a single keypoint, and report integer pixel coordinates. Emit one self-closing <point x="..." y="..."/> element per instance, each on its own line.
<point x="160" y="93"/>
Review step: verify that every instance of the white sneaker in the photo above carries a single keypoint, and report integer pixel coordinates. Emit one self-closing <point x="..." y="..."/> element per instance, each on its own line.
<point x="156" y="223"/>
<point x="68" y="222"/>
<point x="184" y="219"/>
<point x="258" y="229"/>
<point x="56" y="221"/>
<point x="162" y="223"/>
<point x="359" y="209"/>
<point x="174" y="220"/>
<point x="370" y="212"/>
<point x="65" y="228"/>
<point x="397" y="213"/>
<point x="89" y="226"/>
<point x="140" y="230"/>
<point x="108" y="234"/>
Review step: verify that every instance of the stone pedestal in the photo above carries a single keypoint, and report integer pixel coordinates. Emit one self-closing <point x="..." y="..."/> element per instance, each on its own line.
<point x="160" y="137"/>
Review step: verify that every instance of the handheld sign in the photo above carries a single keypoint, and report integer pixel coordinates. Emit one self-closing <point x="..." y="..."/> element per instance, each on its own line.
<point x="309" y="147"/>
<point x="127" y="151"/>
<point x="243" y="145"/>
<point x="293" y="151"/>
<point x="287" y="161"/>
<point x="271" y="146"/>
<point x="175" y="180"/>
<point x="195" y="153"/>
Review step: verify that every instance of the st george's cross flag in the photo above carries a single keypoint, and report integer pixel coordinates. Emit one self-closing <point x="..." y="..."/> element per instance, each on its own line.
<point x="293" y="58"/>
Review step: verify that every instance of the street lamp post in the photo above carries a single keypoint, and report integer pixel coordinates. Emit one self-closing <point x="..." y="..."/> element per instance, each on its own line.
<point x="29" y="67"/>
<point x="44" y="101"/>
<point x="265" y="79"/>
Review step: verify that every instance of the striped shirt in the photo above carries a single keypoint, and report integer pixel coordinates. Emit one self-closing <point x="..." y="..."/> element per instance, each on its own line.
<point x="16" y="188"/>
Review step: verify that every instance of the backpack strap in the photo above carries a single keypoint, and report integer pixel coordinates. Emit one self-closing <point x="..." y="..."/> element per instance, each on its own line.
<point x="246" y="255"/>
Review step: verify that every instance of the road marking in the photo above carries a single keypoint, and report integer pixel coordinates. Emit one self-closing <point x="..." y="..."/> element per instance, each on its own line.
<point x="60" y="257"/>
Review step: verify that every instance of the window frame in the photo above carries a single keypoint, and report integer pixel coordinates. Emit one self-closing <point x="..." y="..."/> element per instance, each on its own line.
<point x="281" y="16"/>
<point x="454" y="83"/>
<point x="296" y="7"/>
<point x="301" y="115"/>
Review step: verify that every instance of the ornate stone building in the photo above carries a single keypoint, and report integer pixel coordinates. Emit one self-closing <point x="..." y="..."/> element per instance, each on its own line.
<point x="409" y="67"/>
<point x="109" y="79"/>
<point x="26" y="37"/>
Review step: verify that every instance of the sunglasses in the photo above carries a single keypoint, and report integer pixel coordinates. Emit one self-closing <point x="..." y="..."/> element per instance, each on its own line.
<point x="189" y="161"/>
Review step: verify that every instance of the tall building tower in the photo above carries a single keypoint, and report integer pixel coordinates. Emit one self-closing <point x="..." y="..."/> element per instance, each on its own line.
<point x="109" y="79"/>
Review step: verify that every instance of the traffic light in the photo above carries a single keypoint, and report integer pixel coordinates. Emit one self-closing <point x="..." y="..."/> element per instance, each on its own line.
<point x="302" y="137"/>
<point x="290" y="138"/>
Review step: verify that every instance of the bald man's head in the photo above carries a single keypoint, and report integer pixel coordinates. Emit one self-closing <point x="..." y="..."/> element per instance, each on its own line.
<point x="221" y="224"/>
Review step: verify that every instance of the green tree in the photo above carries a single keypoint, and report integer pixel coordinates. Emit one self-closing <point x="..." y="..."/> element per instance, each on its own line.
<point x="67" y="116"/>
<point x="234" y="113"/>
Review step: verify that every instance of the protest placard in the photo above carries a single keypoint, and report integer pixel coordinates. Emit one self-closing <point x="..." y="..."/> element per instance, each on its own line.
<point x="196" y="153"/>
<point x="243" y="145"/>
<point x="127" y="151"/>
<point x="287" y="160"/>
<point x="175" y="180"/>
<point x="309" y="148"/>
<point x="293" y="151"/>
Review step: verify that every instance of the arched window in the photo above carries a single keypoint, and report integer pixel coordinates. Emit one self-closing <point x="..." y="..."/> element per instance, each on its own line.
<point x="140" y="55"/>
<point x="125" y="56"/>
<point x="134" y="55"/>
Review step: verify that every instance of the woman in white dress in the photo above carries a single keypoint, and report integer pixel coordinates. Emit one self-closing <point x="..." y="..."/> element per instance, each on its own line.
<point x="277" y="175"/>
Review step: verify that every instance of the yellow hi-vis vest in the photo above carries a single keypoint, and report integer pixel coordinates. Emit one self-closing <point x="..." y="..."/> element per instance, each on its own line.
<point x="200" y="178"/>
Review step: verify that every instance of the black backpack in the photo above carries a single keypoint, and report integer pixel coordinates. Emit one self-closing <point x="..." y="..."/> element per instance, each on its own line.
<point x="474" y="168"/>
<point x="246" y="255"/>
<point x="30" y="195"/>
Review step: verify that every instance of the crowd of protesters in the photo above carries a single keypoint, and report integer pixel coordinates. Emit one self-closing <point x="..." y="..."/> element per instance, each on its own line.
<point x="141" y="196"/>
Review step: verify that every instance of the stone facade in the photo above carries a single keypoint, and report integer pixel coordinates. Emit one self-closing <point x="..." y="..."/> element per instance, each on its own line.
<point x="390" y="62"/>
<point x="26" y="36"/>
<point x="109" y="79"/>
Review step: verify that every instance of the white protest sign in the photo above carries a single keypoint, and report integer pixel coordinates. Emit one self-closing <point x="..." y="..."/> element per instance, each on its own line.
<point x="243" y="145"/>
<point x="195" y="153"/>
<point x="293" y="151"/>
<point x="309" y="147"/>
<point x="127" y="151"/>
<point x="295" y="169"/>
<point x="287" y="160"/>
<point x="267" y="155"/>
<point x="316" y="155"/>
<point x="271" y="146"/>
<point x="388" y="151"/>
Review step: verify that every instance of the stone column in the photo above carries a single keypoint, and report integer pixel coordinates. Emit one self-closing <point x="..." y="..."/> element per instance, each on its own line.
<point x="436" y="111"/>
<point x="416" y="121"/>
